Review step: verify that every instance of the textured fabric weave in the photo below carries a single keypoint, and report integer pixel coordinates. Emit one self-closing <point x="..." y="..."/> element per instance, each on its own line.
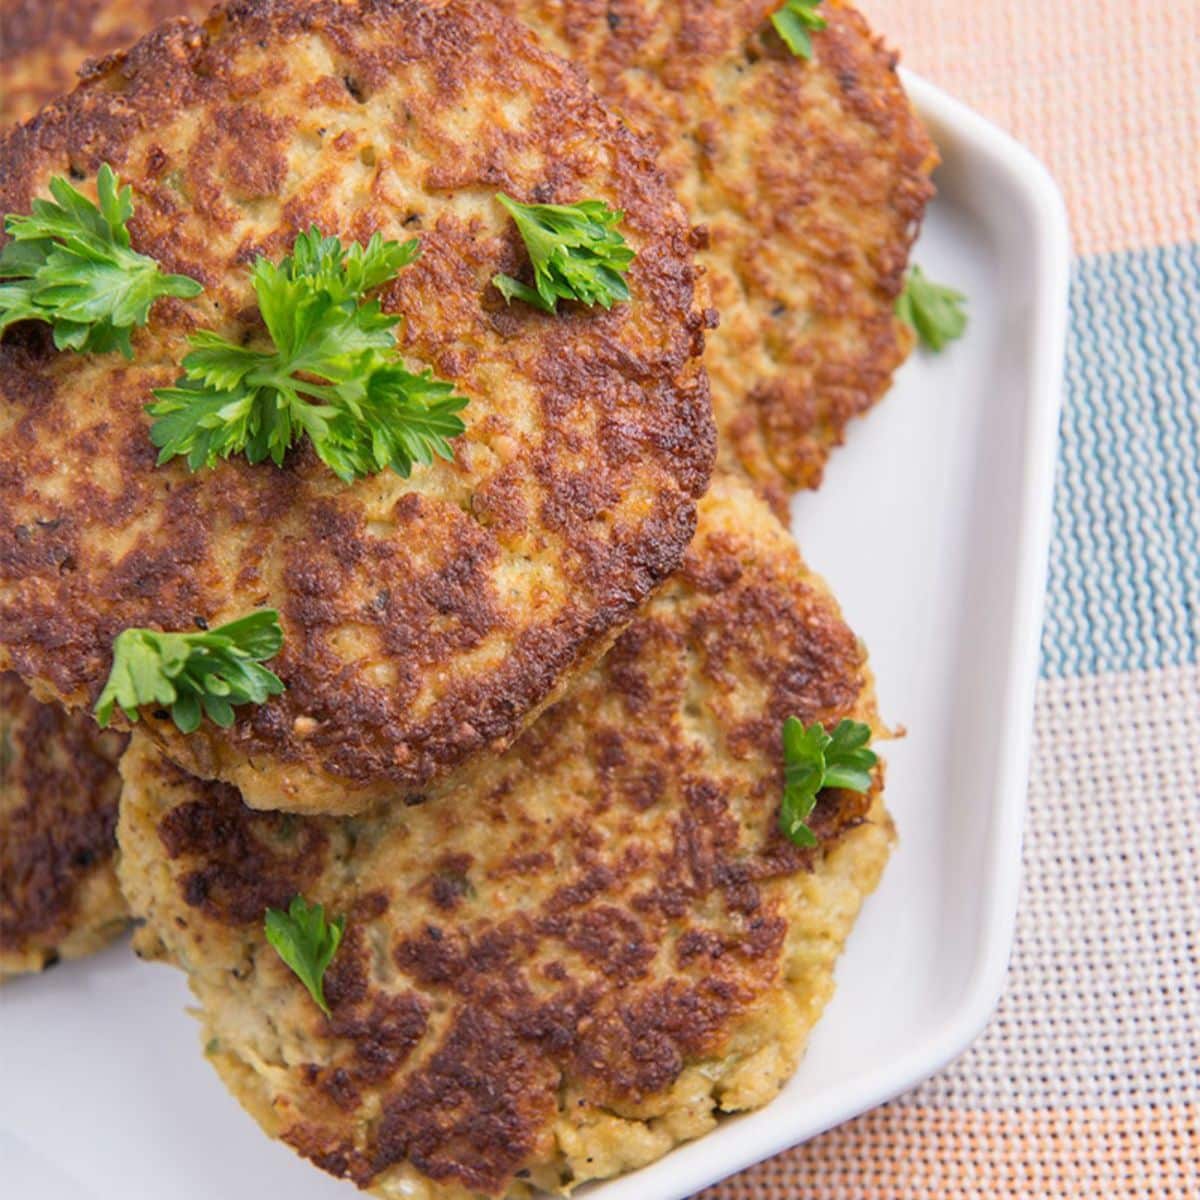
<point x="1087" y="1082"/>
<point x="1124" y="588"/>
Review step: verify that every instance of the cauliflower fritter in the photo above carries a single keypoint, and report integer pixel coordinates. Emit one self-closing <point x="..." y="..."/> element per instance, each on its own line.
<point x="578" y="955"/>
<point x="426" y="620"/>
<point x="811" y="179"/>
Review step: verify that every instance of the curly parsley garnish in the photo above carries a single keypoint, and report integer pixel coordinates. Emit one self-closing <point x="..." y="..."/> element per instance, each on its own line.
<point x="306" y="942"/>
<point x="813" y="760"/>
<point x="576" y="253"/>
<point x="69" y="264"/>
<point x="331" y="373"/>
<point x="795" y="23"/>
<point x="936" y="313"/>
<point x="206" y="673"/>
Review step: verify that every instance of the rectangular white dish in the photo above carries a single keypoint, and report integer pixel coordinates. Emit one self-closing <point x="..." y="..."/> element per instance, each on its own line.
<point x="933" y="528"/>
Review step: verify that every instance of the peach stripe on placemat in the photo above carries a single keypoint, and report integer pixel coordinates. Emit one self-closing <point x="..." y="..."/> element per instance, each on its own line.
<point x="1106" y="93"/>
<point x="898" y="1153"/>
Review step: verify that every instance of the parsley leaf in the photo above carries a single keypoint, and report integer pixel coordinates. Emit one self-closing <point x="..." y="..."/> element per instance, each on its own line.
<point x="795" y="21"/>
<point x="70" y="264"/>
<point x="331" y="374"/>
<point x="576" y="253"/>
<point x="935" y="312"/>
<point x="813" y="760"/>
<point x="203" y="673"/>
<point x="306" y="942"/>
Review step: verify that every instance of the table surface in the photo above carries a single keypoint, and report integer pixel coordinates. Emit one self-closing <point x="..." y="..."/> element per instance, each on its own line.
<point x="1087" y="1082"/>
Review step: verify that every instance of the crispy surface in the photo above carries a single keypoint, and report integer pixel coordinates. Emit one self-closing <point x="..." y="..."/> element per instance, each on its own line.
<point x="425" y="620"/>
<point x="577" y="956"/>
<point x="59" y="789"/>
<point x="45" y="42"/>
<point x="811" y="178"/>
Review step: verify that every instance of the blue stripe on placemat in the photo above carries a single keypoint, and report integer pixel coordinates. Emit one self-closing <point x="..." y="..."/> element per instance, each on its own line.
<point x="1125" y="558"/>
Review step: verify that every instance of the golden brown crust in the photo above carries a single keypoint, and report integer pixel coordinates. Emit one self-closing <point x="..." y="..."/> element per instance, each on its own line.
<point x="425" y="620"/>
<point x="811" y="179"/>
<point x="545" y="958"/>
<point x="45" y="42"/>
<point x="59" y="790"/>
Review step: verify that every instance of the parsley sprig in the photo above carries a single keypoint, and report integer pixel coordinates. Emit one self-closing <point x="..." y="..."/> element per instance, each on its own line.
<point x="795" y="23"/>
<point x="936" y="313"/>
<point x="70" y="265"/>
<point x="306" y="942"/>
<point x="813" y="760"/>
<point x="576" y="252"/>
<point x="331" y="373"/>
<point x="206" y="673"/>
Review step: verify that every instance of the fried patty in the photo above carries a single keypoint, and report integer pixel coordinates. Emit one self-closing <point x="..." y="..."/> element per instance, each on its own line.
<point x="811" y="179"/>
<point x="45" y="42"/>
<point x="426" y="620"/>
<point x="59" y="789"/>
<point x="577" y="956"/>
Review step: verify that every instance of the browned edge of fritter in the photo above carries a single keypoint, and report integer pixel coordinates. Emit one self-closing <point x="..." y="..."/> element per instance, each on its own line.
<point x="59" y="791"/>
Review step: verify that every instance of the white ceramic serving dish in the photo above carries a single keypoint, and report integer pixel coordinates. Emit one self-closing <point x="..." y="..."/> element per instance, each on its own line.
<point x="933" y="528"/>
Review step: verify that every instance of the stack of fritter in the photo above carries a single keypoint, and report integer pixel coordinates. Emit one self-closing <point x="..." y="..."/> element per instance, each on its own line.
<point x="574" y="931"/>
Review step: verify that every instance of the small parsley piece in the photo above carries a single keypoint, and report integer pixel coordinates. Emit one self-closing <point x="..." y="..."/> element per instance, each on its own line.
<point x="206" y="673"/>
<point x="814" y="759"/>
<point x="306" y="942"/>
<point x="576" y="253"/>
<point x="795" y="23"/>
<point x="331" y="374"/>
<point x="936" y="313"/>
<point x="70" y="265"/>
